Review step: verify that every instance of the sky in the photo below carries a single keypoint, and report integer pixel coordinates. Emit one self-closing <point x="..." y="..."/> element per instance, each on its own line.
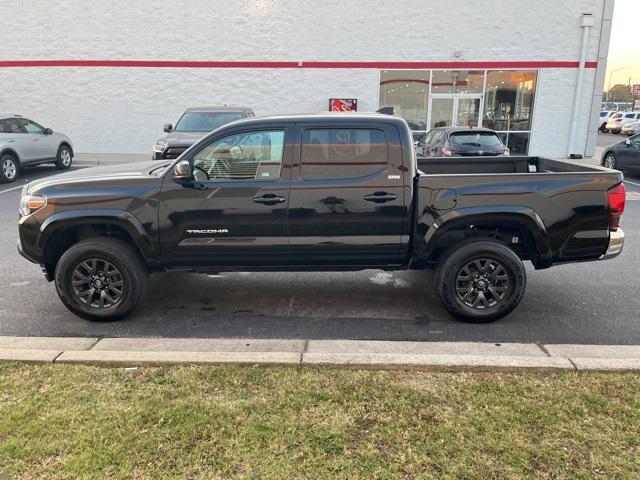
<point x="624" y="49"/>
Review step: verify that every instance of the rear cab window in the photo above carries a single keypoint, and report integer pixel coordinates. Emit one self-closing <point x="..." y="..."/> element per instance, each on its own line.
<point x="343" y="152"/>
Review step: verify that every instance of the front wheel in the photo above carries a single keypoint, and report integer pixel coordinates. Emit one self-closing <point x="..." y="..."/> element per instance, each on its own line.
<point x="101" y="279"/>
<point x="609" y="161"/>
<point x="481" y="281"/>
<point x="63" y="160"/>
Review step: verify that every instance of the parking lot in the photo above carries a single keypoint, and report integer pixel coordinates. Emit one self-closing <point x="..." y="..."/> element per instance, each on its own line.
<point x="594" y="302"/>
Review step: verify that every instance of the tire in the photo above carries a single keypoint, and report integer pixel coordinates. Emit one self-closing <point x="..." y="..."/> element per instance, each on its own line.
<point x="496" y="281"/>
<point x="609" y="161"/>
<point x="603" y="127"/>
<point x="64" y="157"/>
<point x="9" y="168"/>
<point x="85" y="261"/>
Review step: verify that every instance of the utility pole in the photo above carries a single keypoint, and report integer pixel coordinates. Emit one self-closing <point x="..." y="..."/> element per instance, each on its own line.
<point x="610" y="78"/>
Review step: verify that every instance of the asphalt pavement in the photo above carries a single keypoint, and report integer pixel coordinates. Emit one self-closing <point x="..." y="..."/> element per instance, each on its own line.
<point x="589" y="303"/>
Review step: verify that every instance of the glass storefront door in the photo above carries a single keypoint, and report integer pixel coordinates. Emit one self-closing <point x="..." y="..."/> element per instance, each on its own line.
<point x="455" y="110"/>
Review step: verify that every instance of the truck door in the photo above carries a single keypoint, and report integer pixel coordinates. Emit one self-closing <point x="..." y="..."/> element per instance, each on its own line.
<point x="235" y="212"/>
<point x="347" y="204"/>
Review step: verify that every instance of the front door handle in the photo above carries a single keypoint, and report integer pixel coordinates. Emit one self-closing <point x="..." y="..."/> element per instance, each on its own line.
<point x="380" y="197"/>
<point x="269" y="199"/>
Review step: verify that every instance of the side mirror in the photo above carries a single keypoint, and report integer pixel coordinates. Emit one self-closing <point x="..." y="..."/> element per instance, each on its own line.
<point x="627" y="142"/>
<point x="167" y="127"/>
<point x="182" y="172"/>
<point x="48" y="131"/>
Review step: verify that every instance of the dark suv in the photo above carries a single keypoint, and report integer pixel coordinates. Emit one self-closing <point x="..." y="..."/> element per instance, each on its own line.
<point x="194" y="123"/>
<point x="461" y="142"/>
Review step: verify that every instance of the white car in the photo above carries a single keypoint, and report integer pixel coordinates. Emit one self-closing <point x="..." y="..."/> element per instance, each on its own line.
<point x="24" y="142"/>
<point x="604" y="117"/>
<point x="620" y="119"/>
<point x="631" y="128"/>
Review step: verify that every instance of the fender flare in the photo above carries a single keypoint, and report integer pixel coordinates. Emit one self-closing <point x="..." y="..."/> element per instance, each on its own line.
<point x="87" y="218"/>
<point x="526" y="217"/>
<point x="12" y="151"/>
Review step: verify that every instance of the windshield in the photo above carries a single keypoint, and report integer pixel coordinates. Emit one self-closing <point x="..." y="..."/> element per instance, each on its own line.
<point x="475" y="139"/>
<point x="205" y="121"/>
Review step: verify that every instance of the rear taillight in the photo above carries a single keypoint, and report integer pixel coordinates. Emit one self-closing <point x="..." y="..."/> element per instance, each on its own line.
<point x="446" y="151"/>
<point x="615" y="198"/>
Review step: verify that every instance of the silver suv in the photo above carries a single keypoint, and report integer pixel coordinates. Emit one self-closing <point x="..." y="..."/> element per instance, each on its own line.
<point x="24" y="142"/>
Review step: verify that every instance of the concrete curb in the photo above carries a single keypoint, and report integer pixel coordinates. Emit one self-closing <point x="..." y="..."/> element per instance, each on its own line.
<point x="348" y="353"/>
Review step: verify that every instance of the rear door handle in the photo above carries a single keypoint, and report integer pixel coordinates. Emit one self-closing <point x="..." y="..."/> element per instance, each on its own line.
<point x="380" y="197"/>
<point x="269" y="199"/>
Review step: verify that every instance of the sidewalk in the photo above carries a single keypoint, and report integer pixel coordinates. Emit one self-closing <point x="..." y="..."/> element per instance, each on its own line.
<point x="353" y="353"/>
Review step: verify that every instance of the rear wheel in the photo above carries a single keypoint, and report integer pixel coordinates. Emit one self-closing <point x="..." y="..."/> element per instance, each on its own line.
<point x="609" y="161"/>
<point x="9" y="168"/>
<point x="481" y="281"/>
<point x="64" y="157"/>
<point x="101" y="279"/>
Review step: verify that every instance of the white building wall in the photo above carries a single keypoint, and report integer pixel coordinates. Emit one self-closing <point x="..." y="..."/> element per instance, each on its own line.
<point x="113" y="109"/>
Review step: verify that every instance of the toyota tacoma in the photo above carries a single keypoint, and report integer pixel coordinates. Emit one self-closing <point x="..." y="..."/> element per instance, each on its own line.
<point x="318" y="192"/>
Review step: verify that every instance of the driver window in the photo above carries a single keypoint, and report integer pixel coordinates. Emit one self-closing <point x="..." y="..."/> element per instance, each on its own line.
<point x="242" y="156"/>
<point x="32" y="127"/>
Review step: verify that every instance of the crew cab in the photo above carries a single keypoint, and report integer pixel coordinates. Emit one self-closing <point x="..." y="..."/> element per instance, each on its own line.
<point x="318" y="192"/>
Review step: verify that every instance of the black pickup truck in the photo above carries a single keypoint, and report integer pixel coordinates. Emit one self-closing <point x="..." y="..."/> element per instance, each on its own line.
<point x="318" y="192"/>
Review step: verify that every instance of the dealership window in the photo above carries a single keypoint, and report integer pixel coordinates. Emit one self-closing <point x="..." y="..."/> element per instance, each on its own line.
<point x="343" y="152"/>
<point x="406" y="91"/>
<point x="508" y="107"/>
<point x="497" y="99"/>
<point x="457" y="81"/>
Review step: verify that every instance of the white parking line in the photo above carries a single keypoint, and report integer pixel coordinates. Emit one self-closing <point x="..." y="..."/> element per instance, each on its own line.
<point x="10" y="189"/>
<point x="626" y="181"/>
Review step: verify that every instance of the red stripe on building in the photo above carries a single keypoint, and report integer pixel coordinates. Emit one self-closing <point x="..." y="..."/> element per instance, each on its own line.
<point x="251" y="64"/>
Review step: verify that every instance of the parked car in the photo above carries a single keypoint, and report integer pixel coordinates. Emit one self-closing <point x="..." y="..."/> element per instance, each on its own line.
<point x="24" y="143"/>
<point x="631" y="128"/>
<point x="193" y="124"/>
<point x="318" y="192"/>
<point x="623" y="156"/>
<point x="620" y="119"/>
<point x="461" y="142"/>
<point x="604" y="117"/>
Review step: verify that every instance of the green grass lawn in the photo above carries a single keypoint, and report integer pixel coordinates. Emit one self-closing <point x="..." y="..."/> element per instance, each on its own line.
<point x="257" y="422"/>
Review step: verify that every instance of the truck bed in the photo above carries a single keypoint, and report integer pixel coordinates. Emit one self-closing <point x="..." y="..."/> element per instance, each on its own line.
<point x="560" y="207"/>
<point x="475" y="165"/>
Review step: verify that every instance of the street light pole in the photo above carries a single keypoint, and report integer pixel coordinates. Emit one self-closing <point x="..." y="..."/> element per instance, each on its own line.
<point x="610" y="78"/>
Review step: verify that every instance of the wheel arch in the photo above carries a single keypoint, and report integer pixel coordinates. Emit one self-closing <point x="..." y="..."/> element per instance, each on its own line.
<point x="10" y="151"/>
<point x="520" y="228"/>
<point x="59" y="232"/>
<point x="65" y="143"/>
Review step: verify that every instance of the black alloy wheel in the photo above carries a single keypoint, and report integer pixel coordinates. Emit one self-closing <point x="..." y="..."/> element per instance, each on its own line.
<point x="97" y="283"/>
<point x="482" y="283"/>
<point x="481" y="280"/>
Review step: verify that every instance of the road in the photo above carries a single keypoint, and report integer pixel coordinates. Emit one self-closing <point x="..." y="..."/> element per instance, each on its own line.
<point x="595" y="302"/>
